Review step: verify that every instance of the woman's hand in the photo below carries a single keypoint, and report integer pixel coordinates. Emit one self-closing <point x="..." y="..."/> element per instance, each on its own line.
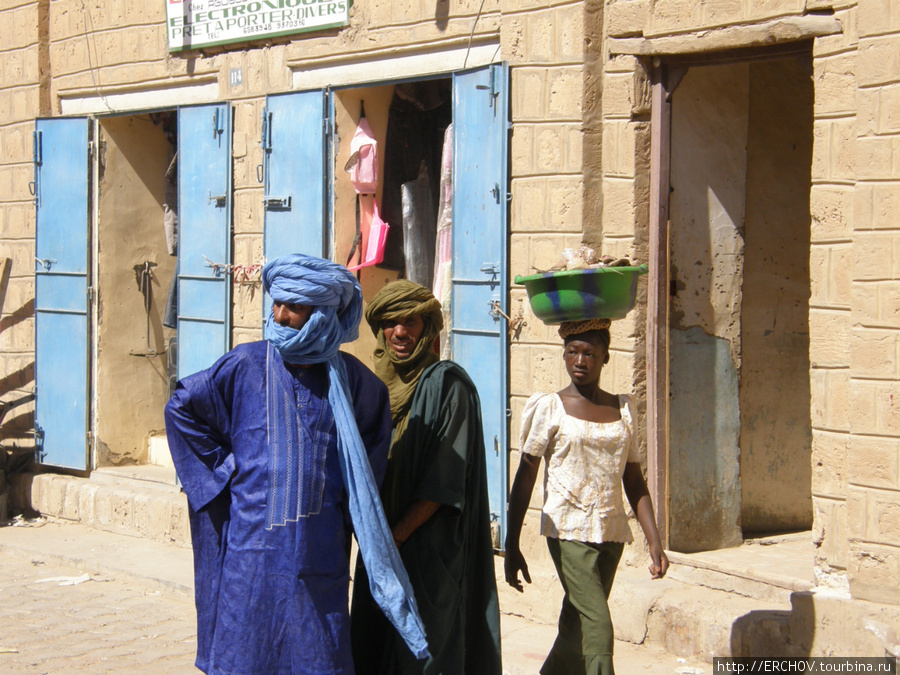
<point x="639" y="498"/>
<point x="513" y="563"/>
<point x="660" y="562"/>
<point x="519" y="496"/>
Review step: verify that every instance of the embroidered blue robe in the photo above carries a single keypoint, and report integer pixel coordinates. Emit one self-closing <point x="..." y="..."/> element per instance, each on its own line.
<point x="270" y="599"/>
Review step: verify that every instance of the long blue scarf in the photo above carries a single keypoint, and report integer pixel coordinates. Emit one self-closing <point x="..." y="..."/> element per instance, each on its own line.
<point x="337" y="298"/>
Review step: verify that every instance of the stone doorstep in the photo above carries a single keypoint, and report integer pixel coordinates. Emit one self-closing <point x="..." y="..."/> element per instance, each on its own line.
<point x="696" y="612"/>
<point x="740" y="582"/>
<point x="134" y="505"/>
<point x="751" y="571"/>
<point x="137" y="477"/>
<point x="699" y="622"/>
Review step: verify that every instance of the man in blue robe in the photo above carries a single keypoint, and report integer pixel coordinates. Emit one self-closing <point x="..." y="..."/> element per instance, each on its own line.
<point x="280" y="447"/>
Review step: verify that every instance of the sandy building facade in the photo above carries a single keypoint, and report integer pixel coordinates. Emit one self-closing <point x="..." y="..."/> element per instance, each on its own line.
<point x="744" y="150"/>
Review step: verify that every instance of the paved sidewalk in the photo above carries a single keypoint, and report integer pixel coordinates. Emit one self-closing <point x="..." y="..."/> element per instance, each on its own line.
<point x="53" y="620"/>
<point x="75" y="599"/>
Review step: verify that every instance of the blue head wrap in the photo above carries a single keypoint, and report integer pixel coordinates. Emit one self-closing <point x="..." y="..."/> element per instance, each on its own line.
<point x="336" y="298"/>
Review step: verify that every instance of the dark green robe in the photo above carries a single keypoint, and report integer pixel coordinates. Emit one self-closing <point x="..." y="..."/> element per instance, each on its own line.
<point x="450" y="557"/>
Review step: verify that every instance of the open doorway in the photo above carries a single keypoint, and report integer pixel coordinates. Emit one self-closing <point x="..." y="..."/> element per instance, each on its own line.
<point x="467" y="196"/>
<point x="135" y="263"/>
<point x="411" y="123"/>
<point x="739" y="431"/>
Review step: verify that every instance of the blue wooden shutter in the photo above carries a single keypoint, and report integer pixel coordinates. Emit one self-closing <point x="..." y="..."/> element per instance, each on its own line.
<point x="204" y="235"/>
<point x="294" y="162"/>
<point x="61" y="291"/>
<point x="478" y="330"/>
<point x="293" y="144"/>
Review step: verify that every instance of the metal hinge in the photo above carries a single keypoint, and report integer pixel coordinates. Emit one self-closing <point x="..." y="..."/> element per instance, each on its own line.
<point x="89" y="439"/>
<point x="217" y="123"/>
<point x="266" y="139"/>
<point x="36" y="139"/>
<point x="265" y="142"/>
<point x="326" y="119"/>
<point x="38" y="159"/>
<point x="90" y="295"/>
<point x="39" y="440"/>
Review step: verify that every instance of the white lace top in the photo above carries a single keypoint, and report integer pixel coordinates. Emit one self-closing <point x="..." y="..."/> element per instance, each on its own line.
<point x="584" y="464"/>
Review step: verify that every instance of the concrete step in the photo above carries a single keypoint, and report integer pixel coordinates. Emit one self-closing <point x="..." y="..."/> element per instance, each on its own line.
<point x="143" y="477"/>
<point x="124" y="500"/>
<point x="769" y="569"/>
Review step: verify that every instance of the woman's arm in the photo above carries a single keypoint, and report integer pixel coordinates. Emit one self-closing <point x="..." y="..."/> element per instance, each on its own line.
<point x="519" y="496"/>
<point x="642" y="505"/>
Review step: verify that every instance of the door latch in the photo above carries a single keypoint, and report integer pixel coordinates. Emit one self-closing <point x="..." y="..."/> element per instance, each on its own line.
<point x="220" y="200"/>
<point x="277" y="203"/>
<point x="491" y="268"/>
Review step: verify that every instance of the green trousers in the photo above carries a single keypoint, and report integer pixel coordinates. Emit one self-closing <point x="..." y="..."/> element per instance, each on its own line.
<point x="584" y="644"/>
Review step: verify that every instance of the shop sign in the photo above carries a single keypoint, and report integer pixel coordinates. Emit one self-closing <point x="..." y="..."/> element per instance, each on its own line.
<point x="192" y="24"/>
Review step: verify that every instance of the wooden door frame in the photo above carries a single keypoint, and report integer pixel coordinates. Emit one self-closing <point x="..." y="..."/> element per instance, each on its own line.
<point x="665" y="75"/>
<point x="658" y="299"/>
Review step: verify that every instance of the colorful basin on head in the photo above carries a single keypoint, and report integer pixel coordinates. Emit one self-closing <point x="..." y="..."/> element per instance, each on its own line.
<point x="575" y="295"/>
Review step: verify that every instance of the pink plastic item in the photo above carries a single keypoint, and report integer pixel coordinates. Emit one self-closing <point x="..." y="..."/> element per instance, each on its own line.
<point x="375" y="240"/>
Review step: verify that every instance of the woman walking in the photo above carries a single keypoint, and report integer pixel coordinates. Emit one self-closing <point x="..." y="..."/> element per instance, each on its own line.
<point x="587" y="439"/>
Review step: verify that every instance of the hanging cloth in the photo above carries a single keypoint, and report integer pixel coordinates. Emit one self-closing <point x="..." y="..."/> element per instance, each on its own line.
<point x="444" y="240"/>
<point x="363" y="162"/>
<point x="419" y="228"/>
<point x="371" y="230"/>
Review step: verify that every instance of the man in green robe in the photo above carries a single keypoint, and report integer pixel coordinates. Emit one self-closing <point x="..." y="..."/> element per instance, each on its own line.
<point x="435" y="499"/>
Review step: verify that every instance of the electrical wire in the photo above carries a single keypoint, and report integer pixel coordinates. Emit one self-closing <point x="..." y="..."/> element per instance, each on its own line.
<point x="469" y="46"/>
<point x="87" y="17"/>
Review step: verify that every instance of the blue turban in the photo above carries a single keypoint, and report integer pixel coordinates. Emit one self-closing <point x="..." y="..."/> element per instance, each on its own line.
<point x="336" y="298"/>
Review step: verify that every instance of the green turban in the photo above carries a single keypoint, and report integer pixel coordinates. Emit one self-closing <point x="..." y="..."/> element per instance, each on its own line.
<point x="395" y="302"/>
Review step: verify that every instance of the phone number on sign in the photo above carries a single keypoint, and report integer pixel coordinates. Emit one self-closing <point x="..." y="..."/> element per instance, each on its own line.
<point x="271" y="27"/>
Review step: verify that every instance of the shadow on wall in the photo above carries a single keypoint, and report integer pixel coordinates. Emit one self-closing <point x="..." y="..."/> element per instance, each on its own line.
<point x="24" y="312"/>
<point x="774" y="633"/>
<point x="15" y="387"/>
<point x="14" y="392"/>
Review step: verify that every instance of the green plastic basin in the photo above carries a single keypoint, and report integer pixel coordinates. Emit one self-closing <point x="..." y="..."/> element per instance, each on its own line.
<point x="575" y="295"/>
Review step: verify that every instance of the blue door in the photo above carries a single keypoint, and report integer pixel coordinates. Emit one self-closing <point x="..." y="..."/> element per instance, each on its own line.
<point x="204" y="236"/>
<point x="478" y="329"/>
<point x="61" y="291"/>
<point x="293" y="142"/>
<point x="295" y="176"/>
